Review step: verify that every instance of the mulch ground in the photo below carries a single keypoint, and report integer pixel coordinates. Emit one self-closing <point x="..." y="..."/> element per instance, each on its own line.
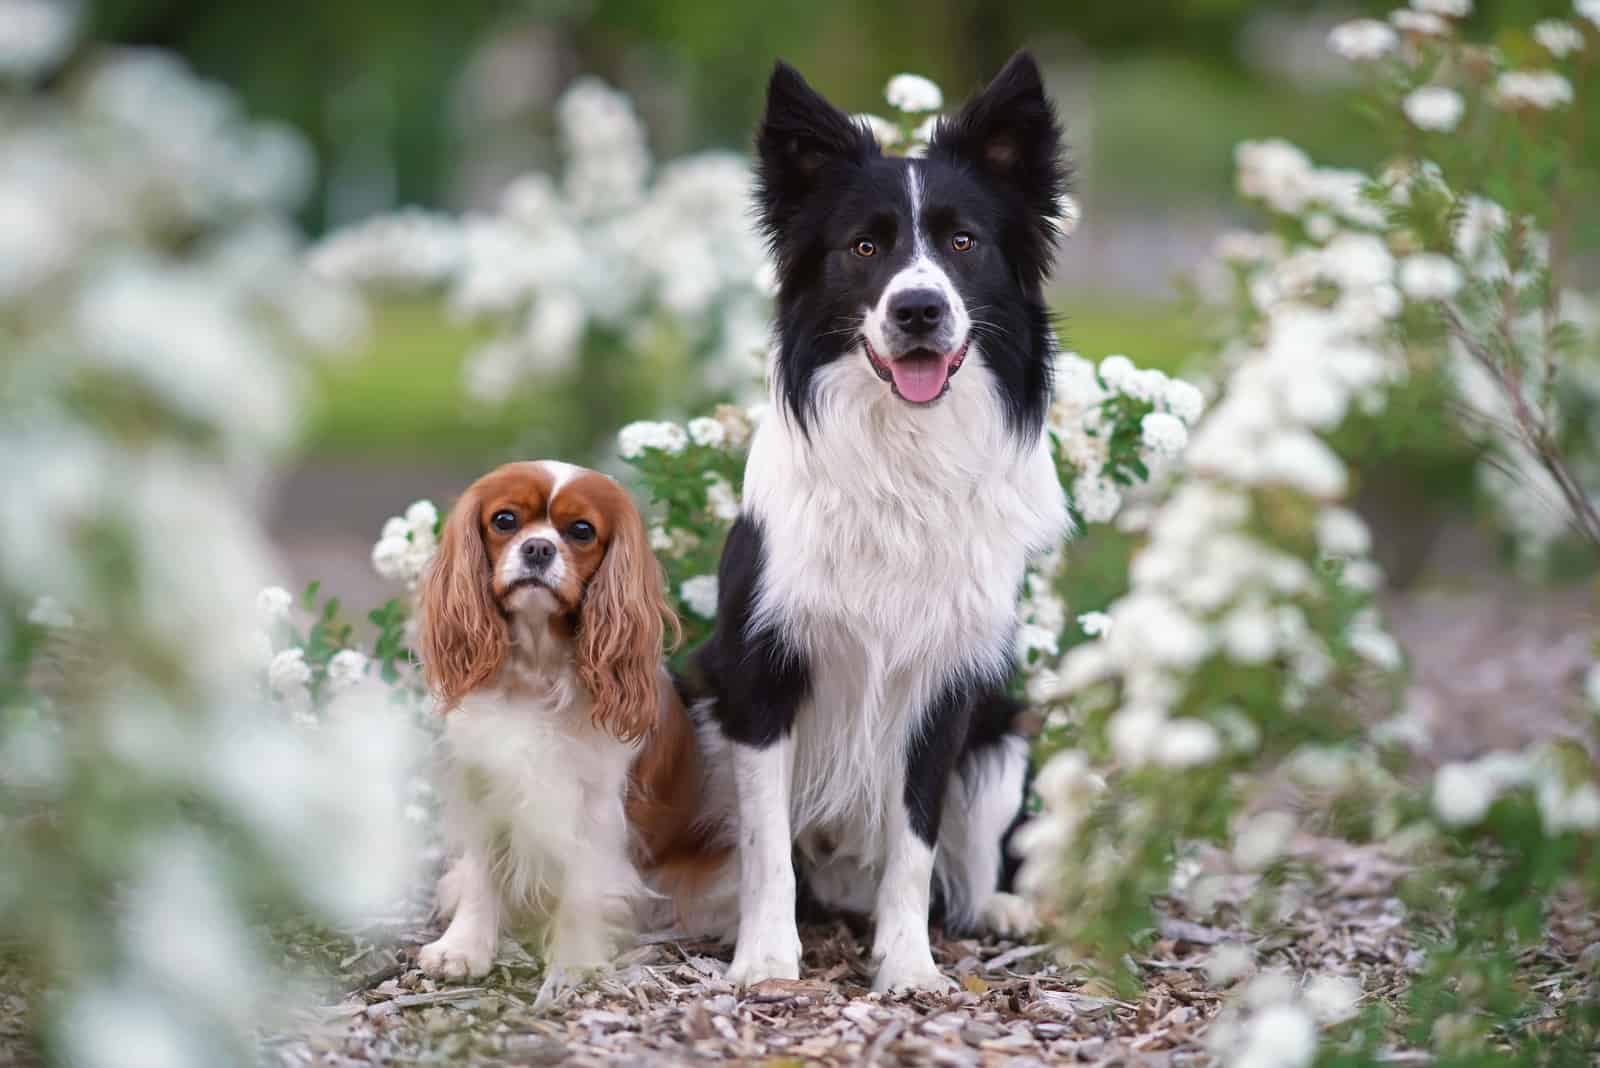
<point x="1494" y="665"/>
<point x="1018" y="1003"/>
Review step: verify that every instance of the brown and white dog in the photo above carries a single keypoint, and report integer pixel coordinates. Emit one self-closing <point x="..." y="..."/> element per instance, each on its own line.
<point x="573" y="781"/>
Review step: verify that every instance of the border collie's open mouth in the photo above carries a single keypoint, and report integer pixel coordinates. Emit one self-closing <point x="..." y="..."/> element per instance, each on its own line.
<point x="921" y="376"/>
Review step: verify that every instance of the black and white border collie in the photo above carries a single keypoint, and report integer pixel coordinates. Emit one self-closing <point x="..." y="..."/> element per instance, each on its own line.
<point x="868" y="591"/>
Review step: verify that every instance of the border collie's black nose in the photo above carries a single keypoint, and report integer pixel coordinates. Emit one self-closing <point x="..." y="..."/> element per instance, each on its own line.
<point x="538" y="552"/>
<point x="917" y="311"/>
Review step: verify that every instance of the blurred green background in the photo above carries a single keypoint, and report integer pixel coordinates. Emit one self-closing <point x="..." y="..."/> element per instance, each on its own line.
<point x="412" y="102"/>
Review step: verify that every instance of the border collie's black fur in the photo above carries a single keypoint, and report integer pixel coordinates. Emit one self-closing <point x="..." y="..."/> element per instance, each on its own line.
<point x="867" y="601"/>
<point x="823" y="180"/>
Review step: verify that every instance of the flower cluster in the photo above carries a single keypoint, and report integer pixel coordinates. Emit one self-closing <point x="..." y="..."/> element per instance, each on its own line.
<point x="1114" y="426"/>
<point x="589" y="262"/>
<point x="406" y="544"/>
<point x="1250" y="623"/>
<point x="156" y="310"/>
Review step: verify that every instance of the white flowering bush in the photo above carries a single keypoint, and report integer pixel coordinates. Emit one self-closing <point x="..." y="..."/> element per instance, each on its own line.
<point x="1237" y="693"/>
<point x="156" y="804"/>
<point x="612" y="257"/>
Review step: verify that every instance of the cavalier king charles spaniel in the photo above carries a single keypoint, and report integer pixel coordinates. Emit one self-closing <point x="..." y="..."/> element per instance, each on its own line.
<point x="573" y="778"/>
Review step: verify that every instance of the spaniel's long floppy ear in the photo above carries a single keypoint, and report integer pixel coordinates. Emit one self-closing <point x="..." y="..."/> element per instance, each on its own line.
<point x="622" y="621"/>
<point x="1009" y="133"/>
<point x="462" y="635"/>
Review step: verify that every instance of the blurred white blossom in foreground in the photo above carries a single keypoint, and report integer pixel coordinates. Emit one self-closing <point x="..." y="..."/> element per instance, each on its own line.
<point x="153" y="795"/>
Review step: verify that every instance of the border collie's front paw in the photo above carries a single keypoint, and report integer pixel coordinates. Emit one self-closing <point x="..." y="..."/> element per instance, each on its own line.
<point x="912" y="974"/>
<point x="768" y="957"/>
<point x="453" y="959"/>
<point x="1008" y="916"/>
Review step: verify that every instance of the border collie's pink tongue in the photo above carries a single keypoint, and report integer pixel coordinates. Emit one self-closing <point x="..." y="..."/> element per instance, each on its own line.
<point x="920" y="378"/>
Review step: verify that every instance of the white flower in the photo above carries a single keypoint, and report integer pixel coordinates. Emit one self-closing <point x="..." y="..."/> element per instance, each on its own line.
<point x="720" y="499"/>
<point x="1096" y="497"/>
<point x="554" y="332"/>
<point x="1321" y="227"/>
<point x="1163" y="434"/>
<point x="886" y="133"/>
<point x="1188" y="743"/>
<point x="422" y="518"/>
<point x="1564" y="808"/>
<point x="1342" y="533"/>
<point x="635" y="438"/>
<point x="345" y="668"/>
<point x="1453" y="9"/>
<point x="1543" y="90"/>
<point x="1228" y="962"/>
<point x="1135" y="733"/>
<point x="1376" y="646"/>
<point x="1559" y="38"/>
<point x="1333" y="998"/>
<point x="1263" y="840"/>
<point x="1035" y="644"/>
<point x="1303" y="460"/>
<point x="289" y="674"/>
<point x="273" y="605"/>
<point x="1433" y="107"/>
<point x="1184" y="400"/>
<point x="1362" y="40"/>
<point x="1428" y="276"/>
<point x="1462" y="794"/>
<point x="1279" y="1036"/>
<point x="1250" y="634"/>
<point x="914" y="93"/>
<point x="1095" y="624"/>
<point x="1420" y="23"/>
<point x="390" y="558"/>
<point x="707" y="432"/>
<point x="700" y="595"/>
<point x="1589" y="9"/>
<point x="1275" y="172"/>
<point x="35" y="35"/>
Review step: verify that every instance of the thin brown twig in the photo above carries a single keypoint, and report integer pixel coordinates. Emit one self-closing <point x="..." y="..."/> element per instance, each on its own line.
<point x="1534" y="435"/>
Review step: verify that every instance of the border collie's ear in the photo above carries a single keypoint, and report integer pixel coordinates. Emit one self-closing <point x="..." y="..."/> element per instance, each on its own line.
<point x="1009" y="133"/>
<point x="800" y="136"/>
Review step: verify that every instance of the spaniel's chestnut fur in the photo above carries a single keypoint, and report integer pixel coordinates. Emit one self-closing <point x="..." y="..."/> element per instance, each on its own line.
<point x="573" y="778"/>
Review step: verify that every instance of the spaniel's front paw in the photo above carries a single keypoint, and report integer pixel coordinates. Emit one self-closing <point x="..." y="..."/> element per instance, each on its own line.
<point x="456" y="958"/>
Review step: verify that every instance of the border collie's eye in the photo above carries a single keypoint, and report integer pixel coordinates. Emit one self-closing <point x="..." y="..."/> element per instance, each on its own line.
<point x="962" y="242"/>
<point x="505" y="522"/>
<point x="865" y="247"/>
<point x="582" y="532"/>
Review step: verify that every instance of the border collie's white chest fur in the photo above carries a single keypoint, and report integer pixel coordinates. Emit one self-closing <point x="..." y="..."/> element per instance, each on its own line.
<point x="895" y="542"/>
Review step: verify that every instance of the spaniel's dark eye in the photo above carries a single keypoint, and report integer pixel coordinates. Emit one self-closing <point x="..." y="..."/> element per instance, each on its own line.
<point x="582" y="531"/>
<point x="865" y="247"/>
<point x="505" y="521"/>
<point x="962" y="242"/>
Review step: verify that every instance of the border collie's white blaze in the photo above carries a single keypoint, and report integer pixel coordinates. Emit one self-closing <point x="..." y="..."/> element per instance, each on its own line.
<point x="868" y="591"/>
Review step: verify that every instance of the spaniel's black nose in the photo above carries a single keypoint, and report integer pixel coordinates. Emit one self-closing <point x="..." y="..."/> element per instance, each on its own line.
<point x="538" y="552"/>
